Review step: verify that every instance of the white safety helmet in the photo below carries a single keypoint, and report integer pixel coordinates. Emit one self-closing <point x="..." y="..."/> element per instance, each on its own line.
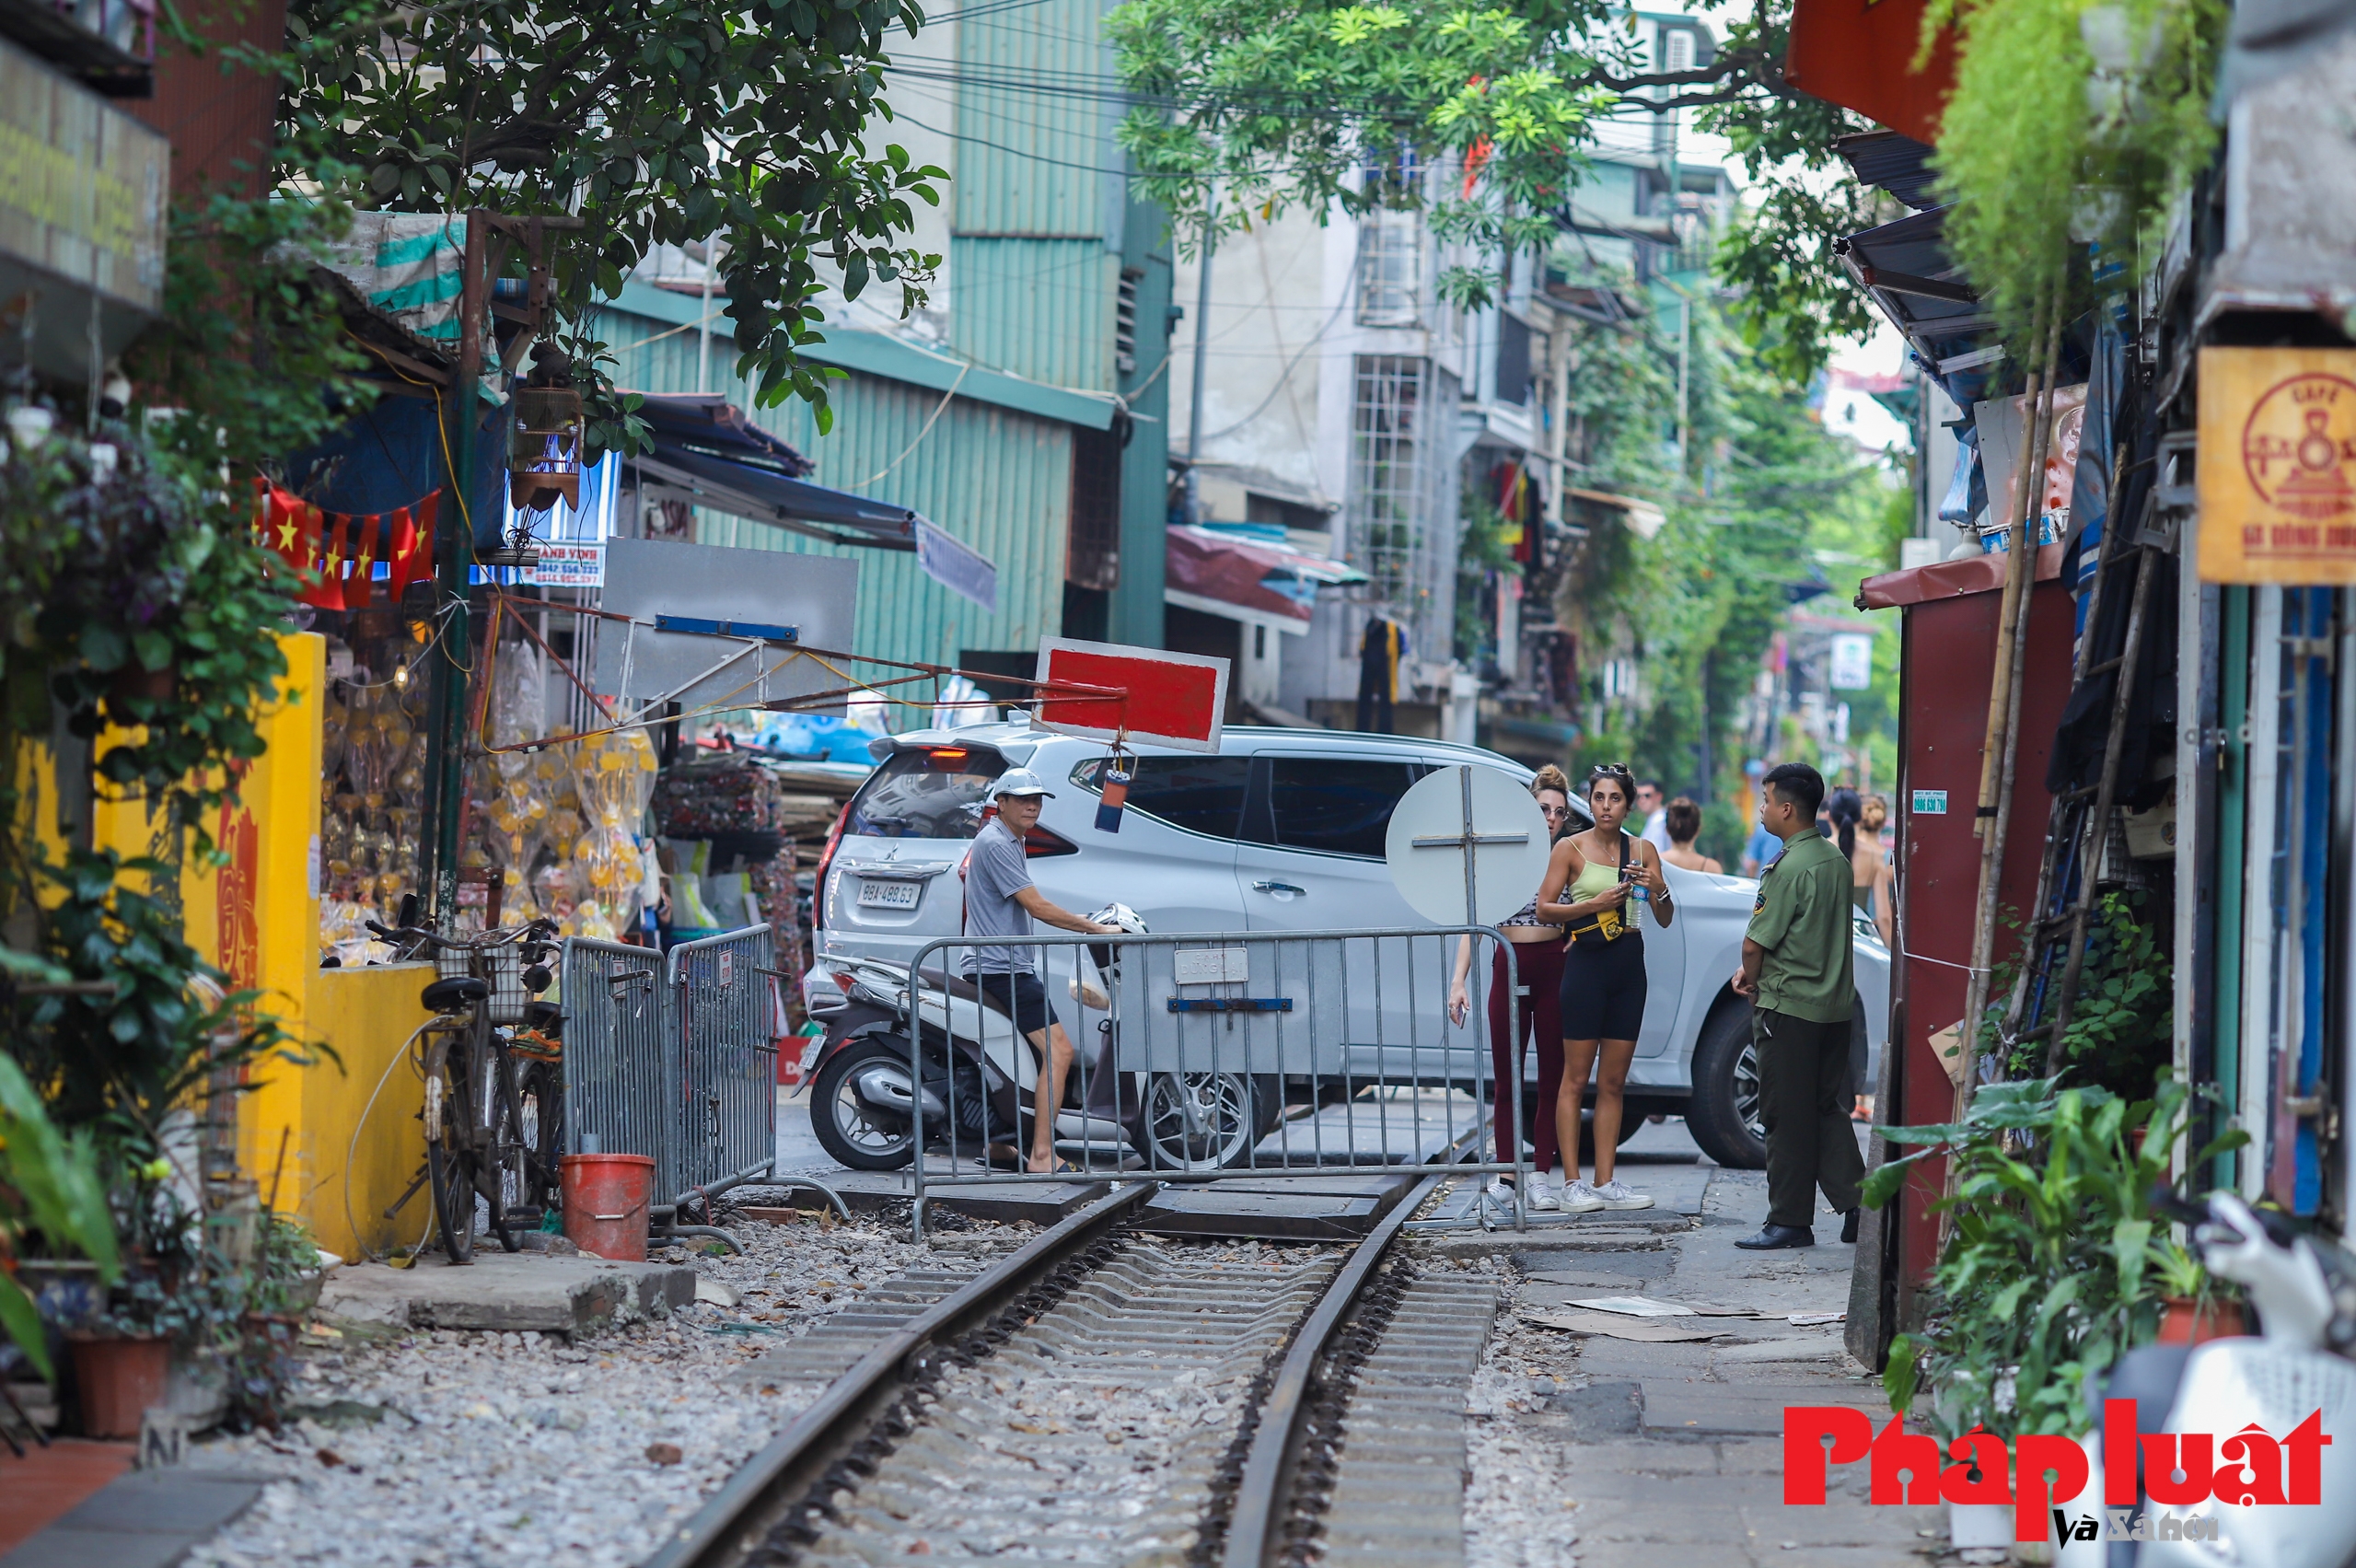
<point x="1120" y="916"/>
<point x="1018" y="781"/>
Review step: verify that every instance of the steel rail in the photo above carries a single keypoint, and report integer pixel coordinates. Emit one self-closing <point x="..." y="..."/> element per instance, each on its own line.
<point x="1263" y="1496"/>
<point x="731" y="1526"/>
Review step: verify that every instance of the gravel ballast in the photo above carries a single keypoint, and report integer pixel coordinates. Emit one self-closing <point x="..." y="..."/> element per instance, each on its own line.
<point x="450" y="1448"/>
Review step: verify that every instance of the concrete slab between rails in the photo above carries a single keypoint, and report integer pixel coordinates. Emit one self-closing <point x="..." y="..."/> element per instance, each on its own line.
<point x="1642" y="1232"/>
<point x="1002" y="1202"/>
<point x="1337" y="1207"/>
<point x="505" y="1292"/>
<point x="141" y="1520"/>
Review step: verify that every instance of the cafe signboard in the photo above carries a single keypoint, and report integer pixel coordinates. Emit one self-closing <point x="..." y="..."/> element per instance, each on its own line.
<point x="2277" y="465"/>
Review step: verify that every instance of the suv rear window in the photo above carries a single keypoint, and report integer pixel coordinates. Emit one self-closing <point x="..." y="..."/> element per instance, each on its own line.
<point x="933" y="794"/>
<point x="1202" y="795"/>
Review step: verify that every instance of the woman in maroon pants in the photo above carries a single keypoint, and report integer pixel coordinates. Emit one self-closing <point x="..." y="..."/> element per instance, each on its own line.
<point x="1538" y="964"/>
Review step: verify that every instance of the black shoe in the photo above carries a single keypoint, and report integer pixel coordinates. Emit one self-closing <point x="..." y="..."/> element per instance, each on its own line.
<point x="1849" y="1227"/>
<point x="1773" y="1238"/>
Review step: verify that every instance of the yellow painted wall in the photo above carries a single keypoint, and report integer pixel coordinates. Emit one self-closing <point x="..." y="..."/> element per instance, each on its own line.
<point x="256" y="916"/>
<point x="367" y="1015"/>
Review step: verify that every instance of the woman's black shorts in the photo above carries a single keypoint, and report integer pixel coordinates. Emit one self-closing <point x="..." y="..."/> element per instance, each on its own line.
<point x="1602" y="990"/>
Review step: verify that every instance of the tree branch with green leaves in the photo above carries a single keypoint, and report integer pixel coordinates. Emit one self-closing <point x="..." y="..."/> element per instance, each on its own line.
<point x="661" y="123"/>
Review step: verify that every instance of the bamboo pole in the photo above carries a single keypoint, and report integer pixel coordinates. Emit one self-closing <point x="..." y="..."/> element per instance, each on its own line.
<point x="1998" y="761"/>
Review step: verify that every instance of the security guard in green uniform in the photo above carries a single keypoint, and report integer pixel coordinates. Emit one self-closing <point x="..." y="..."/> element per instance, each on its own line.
<point x="1798" y="972"/>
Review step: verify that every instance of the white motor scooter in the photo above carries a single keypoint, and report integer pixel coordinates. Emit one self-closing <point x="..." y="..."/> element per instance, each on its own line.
<point x="978" y="1077"/>
<point x="2305" y="1295"/>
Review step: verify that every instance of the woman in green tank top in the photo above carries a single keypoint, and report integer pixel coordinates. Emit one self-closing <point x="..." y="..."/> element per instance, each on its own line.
<point x="1611" y="877"/>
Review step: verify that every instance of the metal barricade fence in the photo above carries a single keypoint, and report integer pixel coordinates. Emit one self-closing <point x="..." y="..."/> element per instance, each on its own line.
<point x="1199" y="1057"/>
<point x="614" y="1076"/>
<point x="673" y="1057"/>
<point x="727" y="1033"/>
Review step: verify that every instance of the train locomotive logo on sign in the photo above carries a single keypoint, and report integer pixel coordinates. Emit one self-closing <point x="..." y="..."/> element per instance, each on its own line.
<point x="2277" y="465"/>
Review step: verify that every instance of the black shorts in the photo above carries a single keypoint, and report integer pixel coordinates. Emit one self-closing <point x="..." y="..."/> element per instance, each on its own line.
<point x="1603" y="989"/>
<point x="1021" y="996"/>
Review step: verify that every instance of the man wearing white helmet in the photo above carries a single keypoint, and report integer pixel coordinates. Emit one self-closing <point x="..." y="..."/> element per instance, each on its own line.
<point x="1002" y="901"/>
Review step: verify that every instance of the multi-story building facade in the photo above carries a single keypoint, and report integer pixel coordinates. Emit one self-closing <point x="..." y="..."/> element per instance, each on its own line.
<point x="1350" y="411"/>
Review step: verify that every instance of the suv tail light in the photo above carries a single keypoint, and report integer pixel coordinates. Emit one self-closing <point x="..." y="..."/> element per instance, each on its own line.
<point x="826" y="864"/>
<point x="1041" y="841"/>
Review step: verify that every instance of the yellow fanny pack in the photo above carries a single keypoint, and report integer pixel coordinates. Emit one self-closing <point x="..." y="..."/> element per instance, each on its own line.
<point x="1609" y="925"/>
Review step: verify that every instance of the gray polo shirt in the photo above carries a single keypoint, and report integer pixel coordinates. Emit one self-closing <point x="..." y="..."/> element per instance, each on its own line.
<point x="996" y="869"/>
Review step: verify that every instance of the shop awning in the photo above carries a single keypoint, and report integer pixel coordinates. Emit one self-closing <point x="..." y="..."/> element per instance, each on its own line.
<point x="1861" y="55"/>
<point x="1248" y="579"/>
<point x="1905" y="266"/>
<point x="707" y="453"/>
<point x="1900" y="165"/>
<point x="1645" y="518"/>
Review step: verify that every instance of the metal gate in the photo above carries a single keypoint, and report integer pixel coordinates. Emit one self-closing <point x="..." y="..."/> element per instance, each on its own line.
<point x="673" y="1059"/>
<point x="1206" y="1056"/>
<point x="726" y="1027"/>
<point x="613" y="1047"/>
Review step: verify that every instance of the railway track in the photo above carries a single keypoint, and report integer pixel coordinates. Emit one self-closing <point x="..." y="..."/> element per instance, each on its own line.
<point x="1101" y="1397"/>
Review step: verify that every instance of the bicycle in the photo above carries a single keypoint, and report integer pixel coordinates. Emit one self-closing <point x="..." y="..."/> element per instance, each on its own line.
<point x="494" y="1074"/>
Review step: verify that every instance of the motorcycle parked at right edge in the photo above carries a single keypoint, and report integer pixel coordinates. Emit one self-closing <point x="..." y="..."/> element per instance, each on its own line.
<point x="2304" y="1291"/>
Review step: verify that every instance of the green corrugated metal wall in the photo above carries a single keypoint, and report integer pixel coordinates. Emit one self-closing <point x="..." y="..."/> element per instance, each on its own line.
<point x="1034" y="258"/>
<point x="1030" y="162"/>
<point x="1000" y="481"/>
<point x="1040" y="307"/>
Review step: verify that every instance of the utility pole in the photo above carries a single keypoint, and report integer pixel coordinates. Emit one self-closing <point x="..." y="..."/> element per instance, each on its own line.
<point x="1685" y="379"/>
<point x="1201" y="359"/>
<point x="488" y="238"/>
<point x="704" y="344"/>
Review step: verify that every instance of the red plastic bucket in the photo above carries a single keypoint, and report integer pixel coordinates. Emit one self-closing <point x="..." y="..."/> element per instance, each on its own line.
<point x="606" y="1196"/>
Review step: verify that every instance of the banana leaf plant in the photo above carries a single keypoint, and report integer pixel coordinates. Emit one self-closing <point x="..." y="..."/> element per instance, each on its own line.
<point x="50" y="1188"/>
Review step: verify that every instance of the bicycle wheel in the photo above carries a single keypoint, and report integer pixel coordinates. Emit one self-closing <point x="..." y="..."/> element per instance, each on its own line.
<point x="508" y="1169"/>
<point x="449" y="1149"/>
<point x="498" y="1144"/>
<point x="542" y="1087"/>
<point x="449" y="1170"/>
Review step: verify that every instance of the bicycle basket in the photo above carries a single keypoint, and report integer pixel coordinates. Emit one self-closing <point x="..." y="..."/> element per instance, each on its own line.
<point x="501" y="967"/>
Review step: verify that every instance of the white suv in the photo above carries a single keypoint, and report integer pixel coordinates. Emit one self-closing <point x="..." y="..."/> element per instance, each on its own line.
<point x="1281" y="830"/>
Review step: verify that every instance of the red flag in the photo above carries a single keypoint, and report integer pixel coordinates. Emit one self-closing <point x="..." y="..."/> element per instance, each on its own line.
<point x="280" y="523"/>
<point x="400" y="543"/>
<point x="412" y="543"/>
<point x="327" y="593"/>
<point x="360" y="590"/>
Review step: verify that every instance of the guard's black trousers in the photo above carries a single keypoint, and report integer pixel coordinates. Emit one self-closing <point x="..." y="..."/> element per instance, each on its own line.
<point x="1803" y="1097"/>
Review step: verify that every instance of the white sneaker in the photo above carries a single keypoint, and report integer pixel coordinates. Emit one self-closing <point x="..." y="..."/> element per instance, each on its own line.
<point x="1545" y="1191"/>
<point x="1498" y="1192"/>
<point x="1578" y="1198"/>
<point x="1617" y="1194"/>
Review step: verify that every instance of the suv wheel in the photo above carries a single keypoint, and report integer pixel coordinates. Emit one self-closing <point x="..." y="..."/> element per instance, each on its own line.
<point x="1204" y="1120"/>
<point x="1724" y="1116"/>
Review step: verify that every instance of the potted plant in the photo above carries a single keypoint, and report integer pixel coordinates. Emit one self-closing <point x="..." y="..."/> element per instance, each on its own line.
<point x="2053" y="1266"/>
<point x="2191" y="1308"/>
<point x="52" y="1198"/>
